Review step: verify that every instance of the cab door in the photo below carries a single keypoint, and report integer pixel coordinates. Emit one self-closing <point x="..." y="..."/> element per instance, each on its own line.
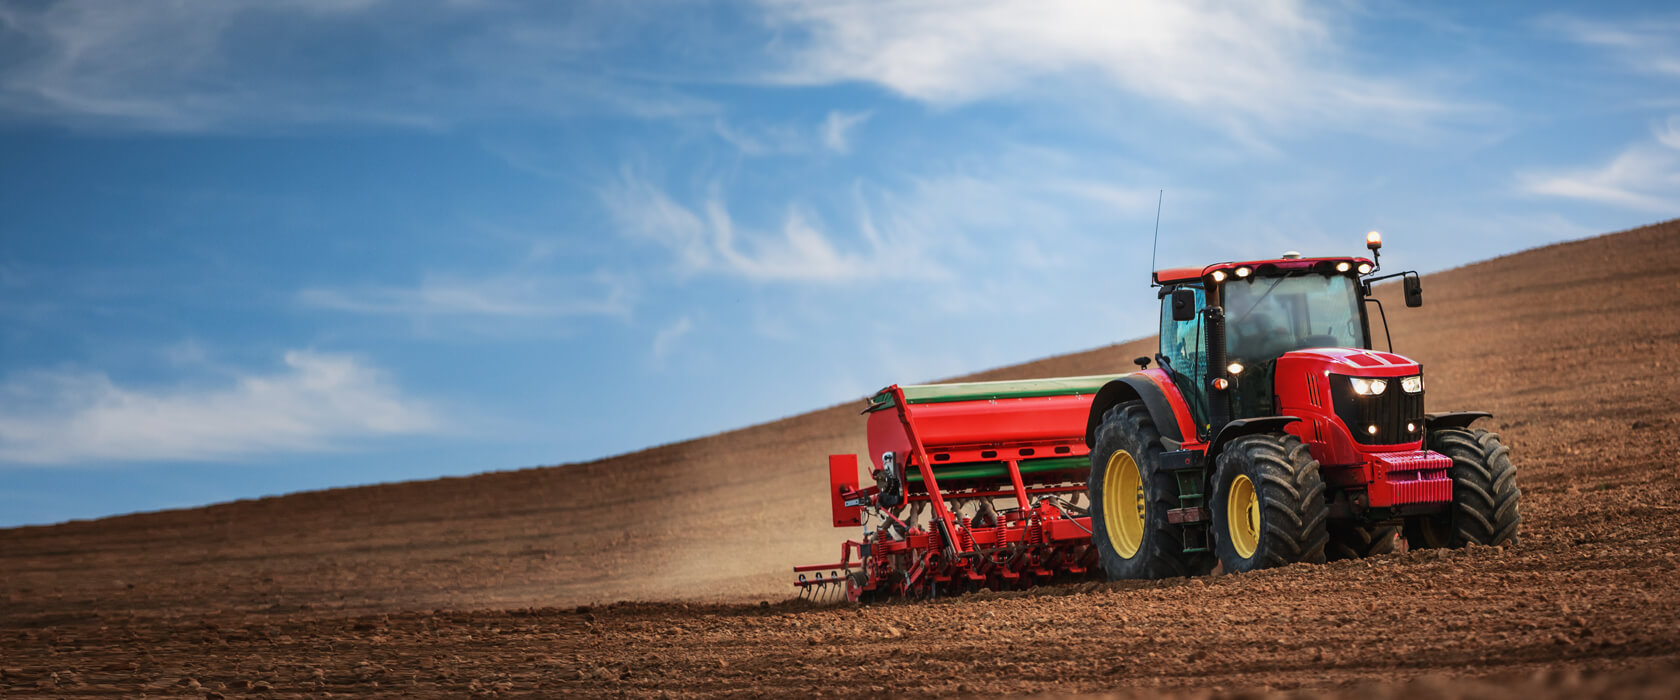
<point x="1184" y="355"/>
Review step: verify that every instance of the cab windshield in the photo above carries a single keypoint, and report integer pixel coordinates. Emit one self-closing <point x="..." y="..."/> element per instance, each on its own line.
<point x="1269" y="316"/>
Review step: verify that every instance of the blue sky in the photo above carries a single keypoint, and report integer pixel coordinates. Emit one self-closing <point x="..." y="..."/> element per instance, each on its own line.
<point x="249" y="248"/>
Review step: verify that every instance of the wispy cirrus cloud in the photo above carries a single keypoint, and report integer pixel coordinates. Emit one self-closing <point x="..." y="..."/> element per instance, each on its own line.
<point x="197" y="65"/>
<point x="1274" y="63"/>
<point x="1648" y="44"/>
<point x="707" y="239"/>
<point x="833" y="134"/>
<point x="521" y="295"/>
<point x="1015" y="210"/>
<point x="316" y="402"/>
<point x="665" y="341"/>
<point x="211" y="65"/>
<point x="154" y="65"/>
<point x="837" y="129"/>
<point x="1645" y="176"/>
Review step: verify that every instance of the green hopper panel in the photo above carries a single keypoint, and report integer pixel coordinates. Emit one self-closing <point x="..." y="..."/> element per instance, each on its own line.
<point x="999" y="470"/>
<point x="981" y="391"/>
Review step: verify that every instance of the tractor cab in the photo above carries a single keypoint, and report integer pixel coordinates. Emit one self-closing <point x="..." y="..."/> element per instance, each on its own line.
<point x="1225" y="326"/>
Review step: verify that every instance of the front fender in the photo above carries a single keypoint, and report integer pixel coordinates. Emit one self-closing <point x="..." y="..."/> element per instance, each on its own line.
<point x="1452" y="419"/>
<point x="1245" y="426"/>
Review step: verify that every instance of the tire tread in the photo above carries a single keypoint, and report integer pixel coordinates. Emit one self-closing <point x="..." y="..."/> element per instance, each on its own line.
<point x="1486" y="500"/>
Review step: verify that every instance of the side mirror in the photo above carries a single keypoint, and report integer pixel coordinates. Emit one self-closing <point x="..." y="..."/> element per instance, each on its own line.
<point x="1184" y="305"/>
<point x="1414" y="291"/>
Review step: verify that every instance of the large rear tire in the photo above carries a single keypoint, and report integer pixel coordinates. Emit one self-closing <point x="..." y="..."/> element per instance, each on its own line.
<point x="1485" y="507"/>
<point x="1130" y="497"/>
<point x="1268" y="504"/>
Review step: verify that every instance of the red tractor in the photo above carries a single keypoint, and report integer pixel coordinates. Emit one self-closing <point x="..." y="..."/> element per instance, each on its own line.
<point x="1270" y="431"/>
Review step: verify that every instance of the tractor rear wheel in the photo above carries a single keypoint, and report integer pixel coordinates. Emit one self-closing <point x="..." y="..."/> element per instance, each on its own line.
<point x="1268" y="504"/>
<point x="1485" y="507"/>
<point x="1349" y="541"/>
<point x="1130" y="497"/>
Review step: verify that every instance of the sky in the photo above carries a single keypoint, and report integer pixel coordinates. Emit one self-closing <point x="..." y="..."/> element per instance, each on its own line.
<point x="250" y="248"/>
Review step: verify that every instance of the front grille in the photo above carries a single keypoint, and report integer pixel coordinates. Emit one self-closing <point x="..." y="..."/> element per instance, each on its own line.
<point x="1390" y="411"/>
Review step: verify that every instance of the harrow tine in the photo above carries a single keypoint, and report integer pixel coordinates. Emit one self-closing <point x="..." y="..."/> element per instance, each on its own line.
<point x="823" y="589"/>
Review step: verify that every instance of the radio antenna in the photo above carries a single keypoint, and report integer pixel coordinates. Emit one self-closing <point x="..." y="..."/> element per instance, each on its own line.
<point x="1159" y="195"/>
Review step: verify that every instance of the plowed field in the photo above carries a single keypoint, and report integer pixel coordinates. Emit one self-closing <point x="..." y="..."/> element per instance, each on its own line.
<point x="509" y="583"/>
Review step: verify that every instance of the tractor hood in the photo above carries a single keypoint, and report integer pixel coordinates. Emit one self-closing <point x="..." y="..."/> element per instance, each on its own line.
<point x="1357" y="362"/>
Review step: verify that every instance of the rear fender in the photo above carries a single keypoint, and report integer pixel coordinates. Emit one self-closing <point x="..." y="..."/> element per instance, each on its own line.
<point x="1142" y="386"/>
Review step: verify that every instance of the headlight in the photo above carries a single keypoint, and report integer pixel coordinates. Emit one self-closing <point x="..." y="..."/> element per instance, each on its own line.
<point x="1412" y="385"/>
<point x="1368" y="387"/>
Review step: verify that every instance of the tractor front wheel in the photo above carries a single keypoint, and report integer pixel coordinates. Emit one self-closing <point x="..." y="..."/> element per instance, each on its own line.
<point x="1130" y="497"/>
<point x="1268" y="504"/>
<point x="1484" y="508"/>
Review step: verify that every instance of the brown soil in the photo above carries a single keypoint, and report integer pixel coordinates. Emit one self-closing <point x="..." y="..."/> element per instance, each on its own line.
<point x="469" y="585"/>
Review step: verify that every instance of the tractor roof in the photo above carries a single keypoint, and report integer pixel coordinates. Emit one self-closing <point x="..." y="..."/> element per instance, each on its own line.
<point x="1261" y="267"/>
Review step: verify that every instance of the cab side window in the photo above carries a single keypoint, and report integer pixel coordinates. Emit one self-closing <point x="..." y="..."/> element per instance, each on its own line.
<point x="1182" y="342"/>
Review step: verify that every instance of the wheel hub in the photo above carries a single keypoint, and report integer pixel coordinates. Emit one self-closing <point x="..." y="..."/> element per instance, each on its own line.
<point x="1123" y="504"/>
<point x="1242" y="516"/>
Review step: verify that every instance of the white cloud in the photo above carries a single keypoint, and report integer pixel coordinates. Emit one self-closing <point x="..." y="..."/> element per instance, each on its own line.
<point x="153" y="64"/>
<point x="666" y="339"/>
<point x="186" y="353"/>
<point x="1277" y="63"/>
<point x="749" y="144"/>
<point x="1644" y="176"/>
<point x="198" y="65"/>
<point x="714" y="243"/>
<point x="1034" y="203"/>
<point x="1127" y="200"/>
<point x="645" y="212"/>
<point x="318" y="402"/>
<point x="1649" y="44"/>
<point x="800" y="253"/>
<point x="833" y="134"/>
<point x="190" y="65"/>
<point x="837" y="128"/>
<point x="765" y="139"/>
<point x="513" y="296"/>
<point x="1668" y="133"/>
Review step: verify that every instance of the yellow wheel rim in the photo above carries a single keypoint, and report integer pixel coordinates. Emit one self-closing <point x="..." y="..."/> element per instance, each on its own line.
<point x="1123" y="504"/>
<point x="1242" y="516"/>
